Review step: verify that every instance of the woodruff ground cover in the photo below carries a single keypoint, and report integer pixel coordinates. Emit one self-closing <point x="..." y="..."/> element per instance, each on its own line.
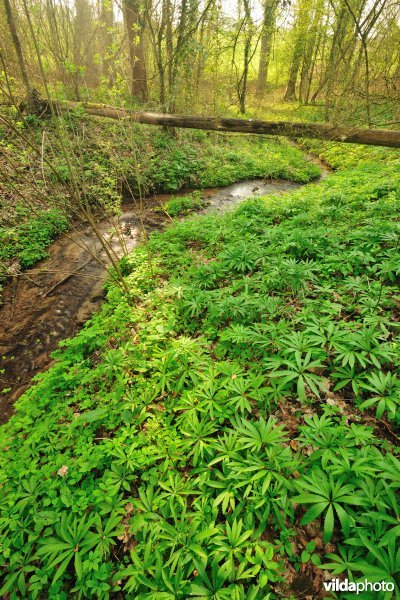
<point x="228" y="431"/>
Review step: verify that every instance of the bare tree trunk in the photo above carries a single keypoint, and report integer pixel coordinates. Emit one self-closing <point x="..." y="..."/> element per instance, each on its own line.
<point x="243" y="86"/>
<point x="363" y="28"/>
<point x="156" y="35"/>
<point x="310" y="54"/>
<point x="135" y="26"/>
<point x="55" y="45"/>
<point x="83" y="19"/>
<point x="169" y="43"/>
<point x="290" y="93"/>
<point x="107" y="22"/>
<point x="248" y="26"/>
<point x="200" y="59"/>
<point x="174" y="58"/>
<point x="266" y="45"/>
<point x="322" y="48"/>
<point x="302" y="28"/>
<point x="17" y="46"/>
<point x="331" y="70"/>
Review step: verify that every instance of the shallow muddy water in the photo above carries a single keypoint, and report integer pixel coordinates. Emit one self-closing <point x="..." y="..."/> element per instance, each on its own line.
<point x="51" y="301"/>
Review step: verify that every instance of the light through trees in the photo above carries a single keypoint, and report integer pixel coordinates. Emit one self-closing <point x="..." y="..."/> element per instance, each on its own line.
<point x="209" y="57"/>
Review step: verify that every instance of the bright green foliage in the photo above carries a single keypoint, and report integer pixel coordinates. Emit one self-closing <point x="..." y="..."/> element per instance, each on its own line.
<point x="179" y="442"/>
<point x="204" y="160"/>
<point x="327" y="496"/>
<point x="183" y="205"/>
<point x="28" y="241"/>
<point x="109" y="163"/>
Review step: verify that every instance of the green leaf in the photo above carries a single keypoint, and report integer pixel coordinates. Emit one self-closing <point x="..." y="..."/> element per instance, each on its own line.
<point x="329" y="523"/>
<point x="62" y="568"/>
<point x="313" y="512"/>
<point x="78" y="565"/>
<point x="200" y="591"/>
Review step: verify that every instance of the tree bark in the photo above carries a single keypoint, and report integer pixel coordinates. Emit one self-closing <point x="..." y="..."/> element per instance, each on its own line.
<point x="156" y="35"/>
<point x="248" y="27"/>
<point x="290" y="93"/>
<point x="266" y="45"/>
<point x="169" y="44"/>
<point x="341" y="30"/>
<point x="55" y="40"/>
<point x="82" y="32"/>
<point x="242" y="88"/>
<point x="174" y="57"/>
<point x="107" y="22"/>
<point x="310" y="53"/>
<point x="17" y="46"/>
<point x="300" y="31"/>
<point x="326" y="131"/>
<point x="134" y="26"/>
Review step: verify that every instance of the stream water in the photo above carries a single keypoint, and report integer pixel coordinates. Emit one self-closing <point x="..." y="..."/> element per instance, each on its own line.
<point x="47" y="304"/>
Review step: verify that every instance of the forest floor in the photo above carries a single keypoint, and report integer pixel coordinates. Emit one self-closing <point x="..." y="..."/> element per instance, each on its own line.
<point x="229" y="430"/>
<point x="50" y="301"/>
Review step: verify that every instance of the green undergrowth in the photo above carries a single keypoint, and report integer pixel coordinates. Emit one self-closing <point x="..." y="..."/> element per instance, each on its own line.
<point x="183" y="205"/>
<point x="345" y="156"/>
<point x="227" y="431"/>
<point x="107" y="161"/>
<point x="27" y="242"/>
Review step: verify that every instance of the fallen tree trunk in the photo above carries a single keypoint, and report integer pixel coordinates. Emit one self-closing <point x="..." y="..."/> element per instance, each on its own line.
<point x="324" y="131"/>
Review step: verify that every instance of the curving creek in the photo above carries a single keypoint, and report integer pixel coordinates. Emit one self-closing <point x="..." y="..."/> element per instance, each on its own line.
<point x="51" y="301"/>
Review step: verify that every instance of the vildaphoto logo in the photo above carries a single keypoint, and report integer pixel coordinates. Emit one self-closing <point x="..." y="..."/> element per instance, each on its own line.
<point x="337" y="585"/>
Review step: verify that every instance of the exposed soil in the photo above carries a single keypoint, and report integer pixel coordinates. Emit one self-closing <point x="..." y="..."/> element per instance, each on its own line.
<point x="51" y="301"/>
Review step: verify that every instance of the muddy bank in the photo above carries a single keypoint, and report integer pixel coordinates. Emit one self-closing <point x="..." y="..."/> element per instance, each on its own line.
<point x="50" y="302"/>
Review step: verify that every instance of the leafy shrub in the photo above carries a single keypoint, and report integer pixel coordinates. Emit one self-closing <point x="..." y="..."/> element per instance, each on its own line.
<point x="183" y="205"/>
<point x="29" y="241"/>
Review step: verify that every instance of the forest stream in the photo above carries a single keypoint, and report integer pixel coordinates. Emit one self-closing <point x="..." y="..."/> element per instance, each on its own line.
<point x="51" y="301"/>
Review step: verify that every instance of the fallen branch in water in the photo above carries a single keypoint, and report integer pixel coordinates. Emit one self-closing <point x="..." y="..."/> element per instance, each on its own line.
<point x="64" y="279"/>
